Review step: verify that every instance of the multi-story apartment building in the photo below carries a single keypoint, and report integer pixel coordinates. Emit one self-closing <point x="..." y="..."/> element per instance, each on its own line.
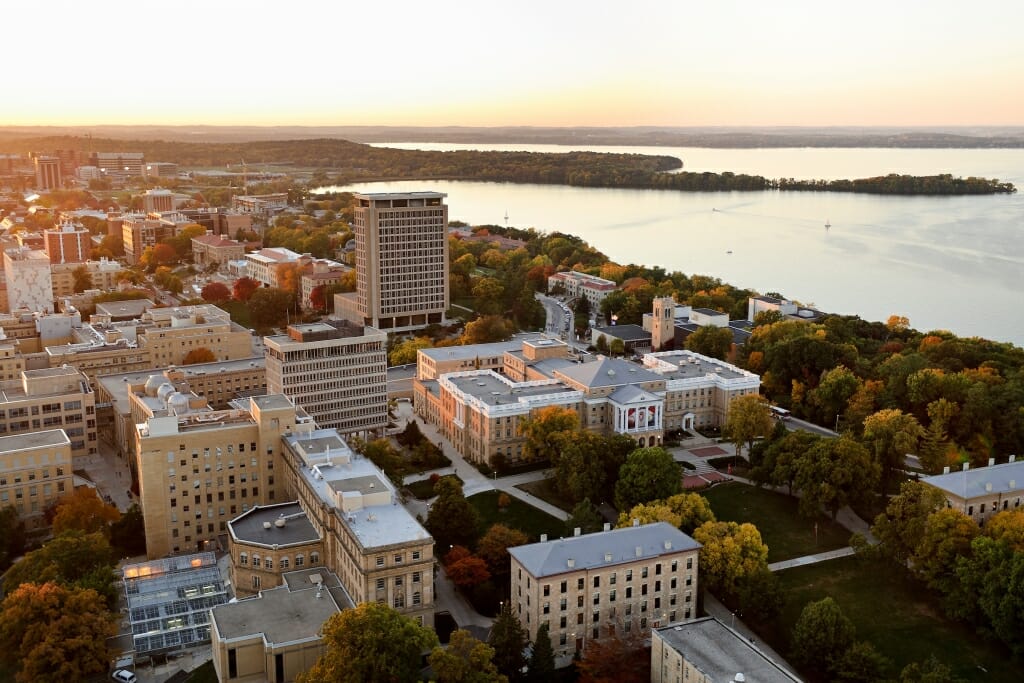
<point x="47" y="399"/>
<point x="375" y="546"/>
<point x="617" y="582"/>
<point x="480" y="410"/>
<point x="198" y="468"/>
<point x="401" y="261"/>
<point x="219" y="383"/>
<point x="48" y="173"/>
<point x="103" y="276"/>
<point x="590" y="287"/>
<point x="139" y="231"/>
<point x="982" y="492"/>
<point x="29" y="284"/>
<point x="210" y="248"/>
<point x="336" y="370"/>
<point x="67" y="243"/>
<point x="705" y="650"/>
<point x="35" y="470"/>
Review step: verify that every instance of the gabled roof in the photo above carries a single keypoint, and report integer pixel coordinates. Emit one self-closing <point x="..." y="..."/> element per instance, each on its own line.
<point x="602" y="549"/>
<point x="608" y="372"/>
<point x="632" y="394"/>
<point x="981" y="481"/>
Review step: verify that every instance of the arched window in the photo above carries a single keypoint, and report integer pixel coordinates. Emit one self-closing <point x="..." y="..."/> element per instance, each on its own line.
<point x="300" y="560"/>
<point x="268" y="562"/>
<point x="284" y="563"/>
<point x="314" y="558"/>
<point x="243" y="558"/>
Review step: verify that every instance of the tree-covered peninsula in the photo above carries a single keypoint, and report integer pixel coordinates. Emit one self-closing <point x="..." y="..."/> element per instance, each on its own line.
<point x="353" y="162"/>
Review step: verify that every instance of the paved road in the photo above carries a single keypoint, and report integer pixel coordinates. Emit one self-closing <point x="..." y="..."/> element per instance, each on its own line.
<point x="794" y="424"/>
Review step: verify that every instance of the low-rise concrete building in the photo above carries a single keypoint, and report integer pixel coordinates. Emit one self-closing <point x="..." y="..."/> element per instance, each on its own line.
<point x="590" y="287"/>
<point x="618" y="582"/>
<point x="269" y="541"/>
<point x="707" y="651"/>
<point x="277" y="635"/>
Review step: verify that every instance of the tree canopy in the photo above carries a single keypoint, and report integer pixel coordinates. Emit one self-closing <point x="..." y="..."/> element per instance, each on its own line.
<point x="648" y="474"/>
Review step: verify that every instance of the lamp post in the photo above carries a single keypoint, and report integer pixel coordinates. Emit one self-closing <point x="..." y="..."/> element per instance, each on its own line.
<point x="836" y="430"/>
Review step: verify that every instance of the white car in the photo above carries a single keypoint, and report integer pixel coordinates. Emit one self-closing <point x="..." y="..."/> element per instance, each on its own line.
<point x="123" y="675"/>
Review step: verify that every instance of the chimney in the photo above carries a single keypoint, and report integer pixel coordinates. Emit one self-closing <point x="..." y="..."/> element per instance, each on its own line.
<point x="966" y="466"/>
<point x="991" y="461"/>
<point x="576" y="531"/>
<point x="639" y="551"/>
<point x="636" y="522"/>
<point x="1012" y="458"/>
<point x="1013" y="484"/>
<point x="988" y="486"/>
<point x="607" y="526"/>
<point x="668" y="545"/>
<point x="945" y="470"/>
<point x="543" y="538"/>
<point x="571" y="563"/>
<point x="607" y="557"/>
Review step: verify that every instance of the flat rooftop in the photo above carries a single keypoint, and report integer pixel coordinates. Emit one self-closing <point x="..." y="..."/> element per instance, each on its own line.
<point x="720" y="652"/>
<point x="21" y="442"/>
<point x="602" y="549"/>
<point x="687" y="365"/>
<point x="981" y="481"/>
<point x="364" y="485"/>
<point x="291" y="612"/>
<point x="133" y="308"/>
<point x="494" y="349"/>
<point x="624" y="332"/>
<point x="273" y="402"/>
<point x="250" y="527"/>
<point x="492" y="389"/>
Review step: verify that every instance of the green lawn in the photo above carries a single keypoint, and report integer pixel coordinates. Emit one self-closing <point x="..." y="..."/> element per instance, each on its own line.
<point x="545" y="490"/>
<point x="518" y="515"/>
<point x="424" y="488"/>
<point x="787" y="533"/>
<point x="897" y="614"/>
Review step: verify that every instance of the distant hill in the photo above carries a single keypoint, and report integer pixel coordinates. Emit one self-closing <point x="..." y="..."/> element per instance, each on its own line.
<point x="724" y="137"/>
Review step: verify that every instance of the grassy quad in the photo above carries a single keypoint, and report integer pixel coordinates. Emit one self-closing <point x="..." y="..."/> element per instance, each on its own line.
<point x="787" y="533"/>
<point x="518" y="515"/>
<point x="424" y="488"/>
<point x="895" y="613"/>
<point x="545" y="490"/>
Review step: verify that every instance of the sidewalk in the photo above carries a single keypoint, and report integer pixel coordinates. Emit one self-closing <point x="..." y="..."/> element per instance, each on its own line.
<point x="811" y="559"/>
<point x="447" y="599"/>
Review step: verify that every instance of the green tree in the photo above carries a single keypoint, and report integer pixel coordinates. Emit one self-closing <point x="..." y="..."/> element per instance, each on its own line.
<point x="711" y="341"/>
<point x="779" y="464"/>
<point x="990" y="590"/>
<point x="585" y="464"/>
<point x="749" y="417"/>
<point x="861" y="663"/>
<point x="541" y="668"/>
<point x="947" y="536"/>
<point x="760" y="596"/>
<point x="731" y="554"/>
<point x="822" y="635"/>
<point x="616" y="347"/>
<point x="930" y="670"/>
<point x="52" y="632"/>
<point x="12" y="536"/>
<point x="508" y="638"/>
<point x="370" y="643"/>
<point x="81" y="279"/>
<point x="71" y="559"/>
<point x="834" y="473"/>
<point x="465" y="660"/>
<point x="830" y="398"/>
<point x="546" y="431"/>
<point x="488" y="292"/>
<point x="900" y="528"/>
<point x="128" y="534"/>
<point x="452" y="520"/>
<point x="585" y="517"/>
<point x="648" y="474"/>
<point x="890" y="435"/>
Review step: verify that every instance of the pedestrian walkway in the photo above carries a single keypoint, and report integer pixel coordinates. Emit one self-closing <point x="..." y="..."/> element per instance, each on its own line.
<point x="811" y="559"/>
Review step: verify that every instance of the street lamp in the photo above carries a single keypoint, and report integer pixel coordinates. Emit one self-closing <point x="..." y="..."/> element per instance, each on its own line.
<point x="837" y="423"/>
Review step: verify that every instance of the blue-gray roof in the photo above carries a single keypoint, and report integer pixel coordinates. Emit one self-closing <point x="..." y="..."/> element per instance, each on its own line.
<point x="608" y="372"/>
<point x="1002" y="478"/>
<point x="591" y="551"/>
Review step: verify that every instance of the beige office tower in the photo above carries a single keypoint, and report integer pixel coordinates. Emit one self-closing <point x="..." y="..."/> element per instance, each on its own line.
<point x="336" y="371"/>
<point x="401" y="261"/>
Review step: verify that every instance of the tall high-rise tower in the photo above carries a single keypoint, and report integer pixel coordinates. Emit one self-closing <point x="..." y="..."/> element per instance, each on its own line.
<point x="401" y="261"/>
<point x="48" y="175"/>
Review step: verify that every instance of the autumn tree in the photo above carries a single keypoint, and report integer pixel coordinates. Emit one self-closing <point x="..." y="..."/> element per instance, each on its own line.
<point x="900" y="528"/>
<point x="685" y="511"/>
<point x="615" y="659"/>
<point x="244" y="288"/>
<point x="648" y="474"/>
<point x="73" y="559"/>
<point x="822" y="635"/>
<point x="215" y="292"/>
<point x="55" y="633"/>
<point x="891" y="434"/>
<point x="493" y="547"/>
<point x="1007" y="526"/>
<point x="81" y="279"/>
<point x="711" y="341"/>
<point x="370" y="643"/>
<point x="163" y="254"/>
<point x="546" y="430"/>
<point x="317" y="298"/>
<point x="465" y="569"/>
<point x="749" y="417"/>
<point x="731" y="553"/>
<point x="405" y="351"/>
<point x="947" y="536"/>
<point x="508" y="638"/>
<point x="269" y="306"/>
<point x="83" y="510"/>
<point x="486" y="329"/>
<point x="465" y="660"/>
<point x="198" y="355"/>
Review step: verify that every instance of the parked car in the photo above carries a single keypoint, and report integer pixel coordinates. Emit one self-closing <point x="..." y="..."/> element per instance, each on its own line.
<point x="123" y="675"/>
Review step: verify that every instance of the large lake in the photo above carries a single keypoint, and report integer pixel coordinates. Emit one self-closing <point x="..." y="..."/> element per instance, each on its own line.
<point x="953" y="263"/>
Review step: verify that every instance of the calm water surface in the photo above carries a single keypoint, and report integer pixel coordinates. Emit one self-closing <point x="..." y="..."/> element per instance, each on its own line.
<point x="953" y="263"/>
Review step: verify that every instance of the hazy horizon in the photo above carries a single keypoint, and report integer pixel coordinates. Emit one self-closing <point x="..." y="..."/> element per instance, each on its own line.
<point x="569" y="64"/>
